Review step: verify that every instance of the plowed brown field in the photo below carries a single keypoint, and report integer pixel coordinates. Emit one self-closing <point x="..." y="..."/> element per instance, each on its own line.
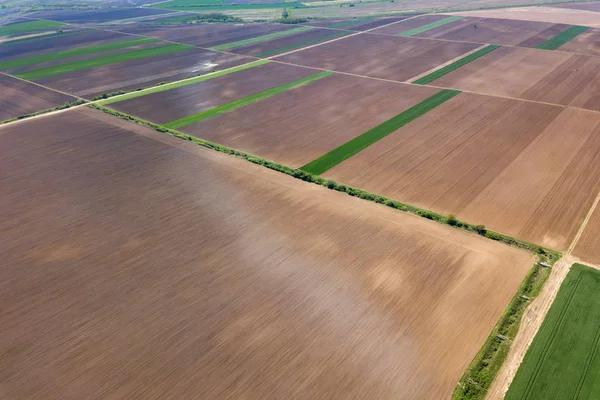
<point x="588" y="246"/>
<point x="302" y="124"/>
<point x="539" y="13"/>
<point x="587" y="42"/>
<point x="19" y="98"/>
<point x="540" y="75"/>
<point x="145" y="72"/>
<point x="412" y="23"/>
<point x="137" y="269"/>
<point x="525" y="169"/>
<point x="380" y="56"/>
<point x="174" y="104"/>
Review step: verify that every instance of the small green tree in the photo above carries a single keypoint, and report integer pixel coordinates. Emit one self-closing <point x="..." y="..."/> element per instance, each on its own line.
<point x="285" y="13"/>
<point x="451" y="220"/>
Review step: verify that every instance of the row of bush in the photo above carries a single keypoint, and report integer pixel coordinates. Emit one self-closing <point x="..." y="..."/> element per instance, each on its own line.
<point x="61" y="107"/>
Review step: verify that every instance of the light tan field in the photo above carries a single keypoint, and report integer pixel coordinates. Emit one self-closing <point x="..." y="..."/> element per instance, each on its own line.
<point x="139" y="266"/>
<point x="524" y="169"/>
<point x="532" y="74"/>
<point x="587" y="42"/>
<point x="540" y="14"/>
<point x="588" y="246"/>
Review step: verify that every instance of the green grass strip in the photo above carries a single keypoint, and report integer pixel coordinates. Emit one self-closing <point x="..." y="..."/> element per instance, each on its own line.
<point x="455" y="65"/>
<point x="257" y="39"/>
<point x="363" y="141"/>
<point x="562" y="38"/>
<point x="75" y="52"/>
<point x="29" y="27"/>
<point x="352" y="22"/>
<point x="306" y="43"/>
<point x="176" y="85"/>
<point x="100" y="61"/>
<point x="225" y="108"/>
<point x="15" y="42"/>
<point x="430" y="26"/>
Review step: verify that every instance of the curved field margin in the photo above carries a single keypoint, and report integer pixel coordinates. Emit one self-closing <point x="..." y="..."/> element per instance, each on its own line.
<point x="562" y="38"/>
<point x="455" y="65"/>
<point x="31" y="26"/>
<point x="363" y="141"/>
<point x="563" y="361"/>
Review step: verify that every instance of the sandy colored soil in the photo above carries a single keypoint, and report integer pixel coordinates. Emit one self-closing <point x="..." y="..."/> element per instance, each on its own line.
<point x="208" y="35"/>
<point x="96" y="15"/>
<point x="590" y="6"/>
<point x="20" y="97"/>
<point x="496" y="31"/>
<point x="588" y="246"/>
<point x="540" y="14"/>
<point x="547" y="76"/>
<point x="281" y="42"/>
<point x="490" y="161"/>
<point x="380" y="56"/>
<point x="409" y="24"/>
<point x="145" y="72"/>
<point x="302" y="124"/>
<point x="587" y="42"/>
<point x="174" y="104"/>
<point x="135" y="269"/>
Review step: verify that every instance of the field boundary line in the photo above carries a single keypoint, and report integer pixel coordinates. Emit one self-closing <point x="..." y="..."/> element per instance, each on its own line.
<point x="584" y="223"/>
<point x="262" y="38"/>
<point x="314" y="45"/>
<point x="42" y="86"/>
<point x="414" y="78"/>
<point x="430" y="26"/>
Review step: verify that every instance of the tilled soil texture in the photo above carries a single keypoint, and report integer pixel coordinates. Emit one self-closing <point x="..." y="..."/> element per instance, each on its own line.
<point x="587" y="42"/>
<point x="54" y="44"/>
<point x="412" y="23"/>
<point x="547" y="76"/>
<point x="96" y="16"/>
<point x="287" y="43"/>
<point x="496" y="31"/>
<point x="380" y="56"/>
<point x="541" y="14"/>
<point x="20" y="98"/>
<point x="302" y="124"/>
<point x="209" y="35"/>
<point x="177" y="103"/>
<point x="591" y="6"/>
<point x="510" y="165"/>
<point x="588" y="246"/>
<point x="360" y="24"/>
<point x="141" y="73"/>
<point x="136" y="270"/>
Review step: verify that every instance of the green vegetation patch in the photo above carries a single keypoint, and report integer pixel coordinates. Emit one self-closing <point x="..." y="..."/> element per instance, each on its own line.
<point x="562" y="38"/>
<point x="351" y="22"/>
<point x="78" y="51"/>
<point x="218" y="5"/>
<point x="455" y="65"/>
<point x="100" y="61"/>
<point x="299" y="45"/>
<point x="213" y="112"/>
<point x="15" y="42"/>
<point x="31" y="26"/>
<point x="359" y="143"/>
<point x="200" y="18"/>
<point x="257" y="39"/>
<point x="430" y="26"/>
<point x="563" y="361"/>
<point x="176" y="85"/>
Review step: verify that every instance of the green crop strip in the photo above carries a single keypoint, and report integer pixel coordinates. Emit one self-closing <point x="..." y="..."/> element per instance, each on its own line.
<point x="297" y="46"/>
<point x="455" y="65"/>
<point x="359" y="143"/>
<point x="41" y="37"/>
<point x="563" y="361"/>
<point x="78" y="51"/>
<point x="225" y="108"/>
<point x="100" y="61"/>
<point x="562" y="38"/>
<point x="29" y="27"/>
<point x="428" y="27"/>
<point x="352" y="22"/>
<point x="176" y="85"/>
<point x="257" y="39"/>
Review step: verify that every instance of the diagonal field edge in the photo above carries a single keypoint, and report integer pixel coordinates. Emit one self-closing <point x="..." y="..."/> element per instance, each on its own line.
<point x="363" y="141"/>
<point x="455" y="65"/>
<point x="75" y="52"/>
<point x="31" y="26"/>
<point x="186" y="82"/>
<point x="257" y="39"/>
<point x="15" y="42"/>
<point x="349" y="23"/>
<point x="306" y="43"/>
<point x="213" y="112"/>
<point x="430" y="26"/>
<point x="102" y="60"/>
<point x="562" y="38"/>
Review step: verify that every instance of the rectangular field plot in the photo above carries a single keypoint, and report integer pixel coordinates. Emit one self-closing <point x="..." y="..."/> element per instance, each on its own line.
<point x="587" y="42"/>
<point x="145" y="72"/>
<point x="181" y="102"/>
<point x="358" y="24"/>
<point x="95" y="16"/>
<point x="20" y="98"/>
<point x="563" y="361"/>
<point x="547" y="76"/>
<point x="302" y="124"/>
<point x="588" y="246"/>
<point x="20" y="27"/>
<point x="170" y="270"/>
<point x="209" y="35"/>
<point x="490" y="161"/>
<point x="380" y="56"/>
<point x="412" y="24"/>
